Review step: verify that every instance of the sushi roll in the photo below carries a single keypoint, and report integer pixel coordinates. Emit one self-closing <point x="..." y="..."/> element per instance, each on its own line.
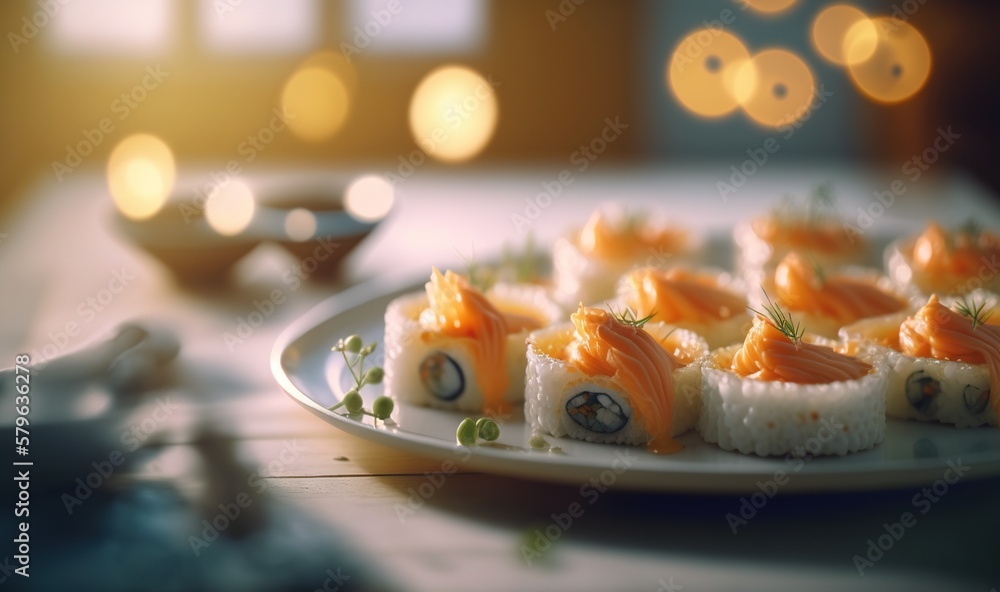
<point x="587" y="264"/>
<point x="942" y="362"/>
<point x="454" y="347"/>
<point x="707" y="301"/>
<point x="813" y="229"/>
<point x="824" y="301"/>
<point x="780" y="394"/>
<point x="614" y="379"/>
<point x="938" y="262"/>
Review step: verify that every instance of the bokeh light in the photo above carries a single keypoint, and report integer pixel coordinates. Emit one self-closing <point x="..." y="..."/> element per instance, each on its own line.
<point x="844" y="35"/>
<point x="300" y="225"/>
<point x="782" y="84"/>
<point x="702" y="72"/>
<point x="769" y="6"/>
<point x="369" y="198"/>
<point x="453" y="113"/>
<point x="317" y="96"/>
<point x="230" y="209"/>
<point x="899" y="66"/>
<point x="141" y="174"/>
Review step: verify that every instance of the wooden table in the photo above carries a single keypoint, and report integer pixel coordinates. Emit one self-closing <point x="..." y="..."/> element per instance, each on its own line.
<point x="468" y="535"/>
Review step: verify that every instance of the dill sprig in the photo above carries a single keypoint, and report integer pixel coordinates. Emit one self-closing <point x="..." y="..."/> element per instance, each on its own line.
<point x="821" y="203"/>
<point x="971" y="228"/>
<point x="818" y="271"/>
<point x="973" y="311"/>
<point x="781" y="320"/>
<point x="628" y="317"/>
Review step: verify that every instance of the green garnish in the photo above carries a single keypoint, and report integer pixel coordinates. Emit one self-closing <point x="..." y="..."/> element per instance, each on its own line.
<point x="818" y="207"/>
<point x="781" y="320"/>
<point x="821" y="203"/>
<point x="818" y="271"/>
<point x="467" y="432"/>
<point x="538" y="442"/>
<point x="628" y="317"/>
<point x="480" y="277"/>
<point x="973" y="311"/>
<point x="971" y="228"/>
<point x="352" y="401"/>
<point x="471" y="430"/>
<point x="382" y="407"/>
<point x="522" y="264"/>
<point x="488" y="429"/>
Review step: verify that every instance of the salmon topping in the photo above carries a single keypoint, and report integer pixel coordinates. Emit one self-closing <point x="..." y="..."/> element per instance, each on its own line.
<point x="842" y="298"/>
<point x="768" y="354"/>
<point x="678" y="295"/>
<point x="607" y="239"/>
<point x="605" y="346"/>
<point x="936" y="331"/>
<point x="963" y="255"/>
<point x="462" y="311"/>
<point x="817" y="236"/>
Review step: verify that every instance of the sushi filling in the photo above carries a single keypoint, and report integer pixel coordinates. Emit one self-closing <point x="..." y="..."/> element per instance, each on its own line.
<point x="596" y="412"/>
<point x="442" y="376"/>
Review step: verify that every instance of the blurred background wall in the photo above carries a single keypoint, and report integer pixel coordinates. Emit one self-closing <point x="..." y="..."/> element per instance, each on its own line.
<point x="561" y="68"/>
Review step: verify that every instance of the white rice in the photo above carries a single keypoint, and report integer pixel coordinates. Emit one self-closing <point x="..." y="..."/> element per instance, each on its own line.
<point x="552" y="383"/>
<point x="772" y="418"/>
<point x="962" y="390"/>
<point x="409" y="344"/>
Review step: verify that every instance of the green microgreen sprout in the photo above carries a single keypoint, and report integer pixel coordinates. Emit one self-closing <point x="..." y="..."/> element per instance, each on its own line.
<point x="471" y="430"/>
<point x="467" y="432"/>
<point x="355" y="362"/>
<point x="973" y="311"/>
<point x="781" y="320"/>
<point x="488" y="429"/>
<point x="629" y="317"/>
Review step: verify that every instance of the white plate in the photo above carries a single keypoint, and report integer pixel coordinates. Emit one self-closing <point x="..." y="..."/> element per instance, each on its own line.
<point x="912" y="454"/>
